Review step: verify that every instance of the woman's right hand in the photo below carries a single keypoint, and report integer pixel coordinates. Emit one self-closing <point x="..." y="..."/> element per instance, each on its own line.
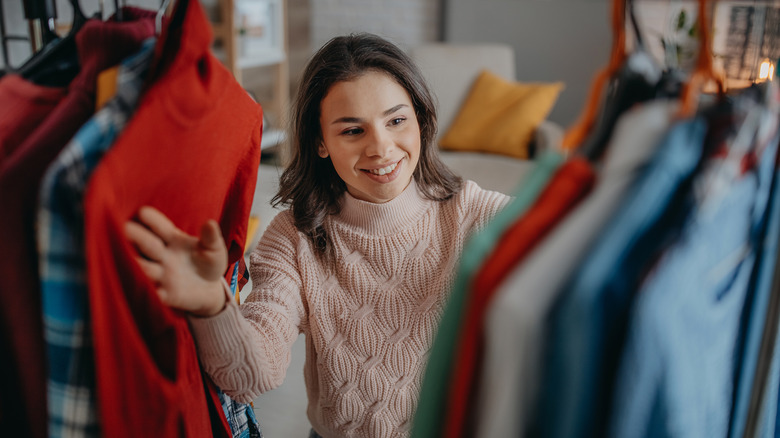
<point x="187" y="270"/>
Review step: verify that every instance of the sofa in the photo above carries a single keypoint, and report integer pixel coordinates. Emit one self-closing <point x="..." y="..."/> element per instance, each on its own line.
<point x="450" y="70"/>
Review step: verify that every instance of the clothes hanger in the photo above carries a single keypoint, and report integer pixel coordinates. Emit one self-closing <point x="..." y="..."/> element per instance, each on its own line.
<point x="577" y="132"/>
<point x="634" y="79"/>
<point x="164" y="31"/>
<point x="158" y="18"/>
<point x="704" y="70"/>
<point x="57" y="63"/>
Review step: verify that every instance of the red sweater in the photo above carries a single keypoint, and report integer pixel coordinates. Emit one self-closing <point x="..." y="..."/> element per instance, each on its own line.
<point x="51" y="117"/>
<point x="568" y="186"/>
<point x="192" y="150"/>
<point x="23" y="105"/>
<point x="22" y="383"/>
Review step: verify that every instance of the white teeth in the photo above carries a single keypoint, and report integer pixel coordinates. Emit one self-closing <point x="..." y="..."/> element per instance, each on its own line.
<point x="384" y="170"/>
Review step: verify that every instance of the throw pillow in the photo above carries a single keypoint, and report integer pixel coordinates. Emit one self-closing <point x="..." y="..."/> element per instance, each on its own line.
<point x="500" y="117"/>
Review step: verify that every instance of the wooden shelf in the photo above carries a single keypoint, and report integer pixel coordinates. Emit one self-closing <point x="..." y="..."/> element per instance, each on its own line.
<point x="228" y="50"/>
<point x="269" y="57"/>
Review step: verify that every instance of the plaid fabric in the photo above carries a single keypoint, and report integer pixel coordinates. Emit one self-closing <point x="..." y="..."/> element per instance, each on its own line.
<point x="237" y="277"/>
<point x="60" y="232"/>
<point x="240" y="417"/>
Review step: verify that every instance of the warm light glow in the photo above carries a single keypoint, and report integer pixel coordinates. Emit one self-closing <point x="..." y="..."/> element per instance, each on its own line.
<point x="766" y="71"/>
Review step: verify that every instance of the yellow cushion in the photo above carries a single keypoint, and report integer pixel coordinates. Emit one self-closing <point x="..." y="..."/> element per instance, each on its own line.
<point x="499" y="116"/>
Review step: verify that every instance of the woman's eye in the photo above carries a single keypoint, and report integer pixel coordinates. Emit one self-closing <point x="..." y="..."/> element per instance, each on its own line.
<point x="397" y="121"/>
<point x="352" y="131"/>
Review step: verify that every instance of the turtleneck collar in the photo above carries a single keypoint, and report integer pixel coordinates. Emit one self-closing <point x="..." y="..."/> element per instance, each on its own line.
<point x="104" y="44"/>
<point x="387" y="218"/>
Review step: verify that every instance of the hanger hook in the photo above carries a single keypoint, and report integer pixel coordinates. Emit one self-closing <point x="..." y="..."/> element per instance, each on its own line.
<point x="158" y="17"/>
<point x="78" y="13"/>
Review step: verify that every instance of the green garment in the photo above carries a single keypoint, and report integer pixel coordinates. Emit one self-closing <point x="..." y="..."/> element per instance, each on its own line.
<point x="428" y="420"/>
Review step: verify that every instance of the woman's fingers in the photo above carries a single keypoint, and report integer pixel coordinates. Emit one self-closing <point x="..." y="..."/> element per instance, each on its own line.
<point x="159" y="224"/>
<point x="211" y="236"/>
<point x="163" y="294"/>
<point x="186" y="270"/>
<point x="153" y="270"/>
<point x="147" y="242"/>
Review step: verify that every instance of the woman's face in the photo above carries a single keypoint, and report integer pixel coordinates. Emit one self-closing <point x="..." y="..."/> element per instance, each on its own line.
<point x="371" y="134"/>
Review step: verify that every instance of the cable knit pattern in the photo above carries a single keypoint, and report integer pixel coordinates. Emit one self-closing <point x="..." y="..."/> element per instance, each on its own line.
<point x="369" y="321"/>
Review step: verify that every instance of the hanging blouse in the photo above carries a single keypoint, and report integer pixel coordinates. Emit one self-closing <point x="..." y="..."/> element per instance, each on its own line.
<point x="192" y="150"/>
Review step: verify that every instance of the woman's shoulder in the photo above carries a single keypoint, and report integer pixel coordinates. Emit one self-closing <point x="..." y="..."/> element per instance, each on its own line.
<point x="476" y="206"/>
<point x="283" y="223"/>
<point x="282" y="218"/>
<point x="281" y="234"/>
<point x="471" y="194"/>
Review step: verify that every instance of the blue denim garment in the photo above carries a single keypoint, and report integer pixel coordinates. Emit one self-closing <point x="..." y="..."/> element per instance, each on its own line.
<point x="756" y="318"/>
<point x="71" y="394"/>
<point x="585" y="326"/>
<point x="770" y="407"/>
<point x="676" y="375"/>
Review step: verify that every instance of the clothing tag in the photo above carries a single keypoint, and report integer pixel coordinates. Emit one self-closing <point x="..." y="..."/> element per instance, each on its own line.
<point x="106" y="86"/>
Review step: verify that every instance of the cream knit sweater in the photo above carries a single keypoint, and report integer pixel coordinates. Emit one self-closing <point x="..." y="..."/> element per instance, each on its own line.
<point x="369" y="321"/>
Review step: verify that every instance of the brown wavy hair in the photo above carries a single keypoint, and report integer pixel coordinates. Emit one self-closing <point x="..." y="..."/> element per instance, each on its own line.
<point x="310" y="186"/>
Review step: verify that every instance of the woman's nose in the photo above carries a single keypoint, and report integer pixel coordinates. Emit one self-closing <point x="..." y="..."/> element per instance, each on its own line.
<point x="380" y="143"/>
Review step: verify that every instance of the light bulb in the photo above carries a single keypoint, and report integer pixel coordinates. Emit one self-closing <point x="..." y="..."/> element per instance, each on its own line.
<point x="766" y="71"/>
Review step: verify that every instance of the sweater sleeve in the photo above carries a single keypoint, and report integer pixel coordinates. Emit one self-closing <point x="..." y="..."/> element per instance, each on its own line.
<point x="247" y="351"/>
<point x="479" y="206"/>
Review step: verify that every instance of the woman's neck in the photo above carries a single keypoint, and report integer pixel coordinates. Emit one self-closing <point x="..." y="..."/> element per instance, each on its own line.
<point x="385" y="218"/>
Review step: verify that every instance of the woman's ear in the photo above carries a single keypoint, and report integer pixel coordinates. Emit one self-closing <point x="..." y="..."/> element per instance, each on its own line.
<point x="322" y="151"/>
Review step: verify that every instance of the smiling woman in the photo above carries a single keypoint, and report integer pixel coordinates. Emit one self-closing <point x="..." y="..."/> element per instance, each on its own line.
<point x="374" y="150"/>
<point x="360" y="263"/>
<point x="339" y="75"/>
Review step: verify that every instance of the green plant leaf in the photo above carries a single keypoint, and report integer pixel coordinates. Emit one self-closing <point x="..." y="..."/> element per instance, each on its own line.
<point x="681" y="19"/>
<point x="694" y="29"/>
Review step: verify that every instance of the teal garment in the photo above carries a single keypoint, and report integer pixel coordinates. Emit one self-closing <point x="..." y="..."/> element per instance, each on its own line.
<point x="430" y="410"/>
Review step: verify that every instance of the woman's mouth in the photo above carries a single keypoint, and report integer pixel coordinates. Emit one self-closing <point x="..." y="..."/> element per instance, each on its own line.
<point x="384" y="170"/>
<point x="384" y="174"/>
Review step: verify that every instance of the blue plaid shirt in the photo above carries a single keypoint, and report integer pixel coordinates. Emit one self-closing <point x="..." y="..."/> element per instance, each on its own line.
<point x="71" y="365"/>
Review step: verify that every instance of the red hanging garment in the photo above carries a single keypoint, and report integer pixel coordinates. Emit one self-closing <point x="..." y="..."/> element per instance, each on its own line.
<point x="191" y="150"/>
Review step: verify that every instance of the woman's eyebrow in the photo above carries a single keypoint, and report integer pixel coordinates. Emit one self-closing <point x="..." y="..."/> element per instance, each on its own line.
<point x="393" y="109"/>
<point x="360" y="120"/>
